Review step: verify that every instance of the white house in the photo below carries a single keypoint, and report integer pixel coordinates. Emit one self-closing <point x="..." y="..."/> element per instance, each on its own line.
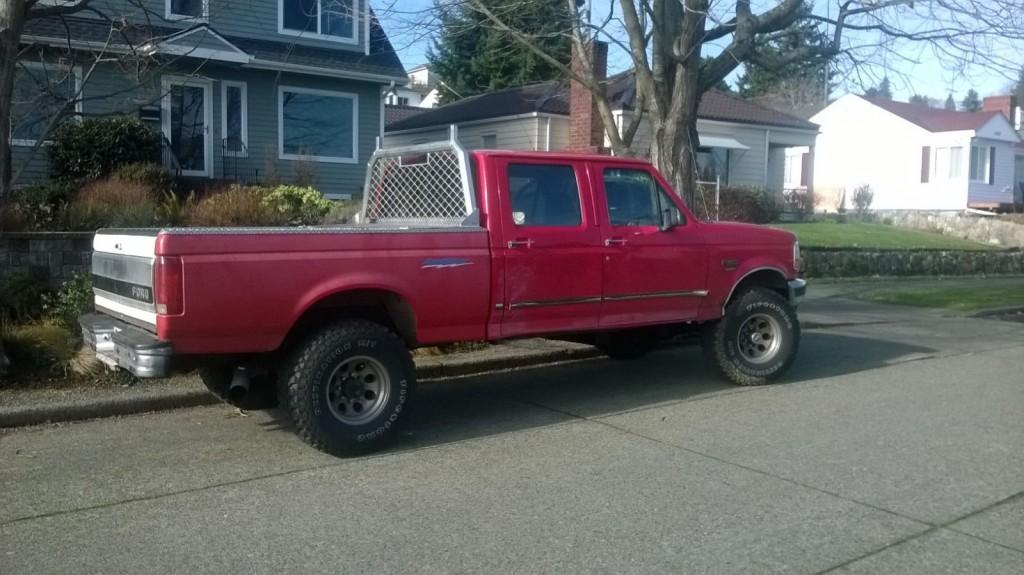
<point x="741" y="143"/>
<point x="420" y="92"/>
<point x="914" y="157"/>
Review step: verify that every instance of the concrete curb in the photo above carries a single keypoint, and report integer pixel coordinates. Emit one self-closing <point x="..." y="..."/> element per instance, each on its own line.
<point x="22" y="416"/>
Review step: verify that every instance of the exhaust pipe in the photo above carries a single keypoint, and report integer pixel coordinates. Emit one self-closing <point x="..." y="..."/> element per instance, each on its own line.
<point x="239" y="387"/>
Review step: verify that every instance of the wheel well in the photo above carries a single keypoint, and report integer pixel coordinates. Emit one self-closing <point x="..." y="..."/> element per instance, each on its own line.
<point x="381" y="306"/>
<point x="767" y="278"/>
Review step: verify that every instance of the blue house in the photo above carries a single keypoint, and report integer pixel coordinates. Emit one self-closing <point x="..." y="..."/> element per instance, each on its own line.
<point x="260" y="90"/>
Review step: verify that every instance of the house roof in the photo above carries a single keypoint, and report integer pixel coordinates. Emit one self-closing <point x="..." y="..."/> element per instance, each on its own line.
<point x="394" y="114"/>
<point x="382" y="60"/>
<point x="935" y="119"/>
<point x="553" y="98"/>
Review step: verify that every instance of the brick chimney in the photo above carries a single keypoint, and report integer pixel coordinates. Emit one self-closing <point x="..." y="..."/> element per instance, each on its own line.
<point x="586" y="130"/>
<point x="1008" y="105"/>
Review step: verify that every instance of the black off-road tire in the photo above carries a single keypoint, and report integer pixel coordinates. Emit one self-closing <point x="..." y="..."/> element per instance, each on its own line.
<point x="753" y="307"/>
<point x="318" y="380"/>
<point x="262" y="389"/>
<point x="627" y="345"/>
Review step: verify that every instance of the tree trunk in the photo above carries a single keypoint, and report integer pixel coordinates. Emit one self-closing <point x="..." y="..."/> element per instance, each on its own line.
<point x="12" y="23"/>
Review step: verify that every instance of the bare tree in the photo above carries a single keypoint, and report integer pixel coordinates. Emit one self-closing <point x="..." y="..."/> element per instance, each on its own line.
<point x="14" y="15"/>
<point x="679" y="49"/>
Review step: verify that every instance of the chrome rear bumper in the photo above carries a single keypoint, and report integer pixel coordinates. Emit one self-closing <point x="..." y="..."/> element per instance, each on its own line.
<point x="797" y="290"/>
<point x="119" y="344"/>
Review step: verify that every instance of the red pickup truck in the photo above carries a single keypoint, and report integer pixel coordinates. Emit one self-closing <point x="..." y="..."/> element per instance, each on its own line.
<point x="450" y="246"/>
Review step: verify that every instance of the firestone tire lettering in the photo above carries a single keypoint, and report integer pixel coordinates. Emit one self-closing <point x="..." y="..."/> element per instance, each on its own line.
<point x="720" y="338"/>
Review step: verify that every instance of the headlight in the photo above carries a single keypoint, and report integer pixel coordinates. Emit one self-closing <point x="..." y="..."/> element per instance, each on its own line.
<point x="796" y="255"/>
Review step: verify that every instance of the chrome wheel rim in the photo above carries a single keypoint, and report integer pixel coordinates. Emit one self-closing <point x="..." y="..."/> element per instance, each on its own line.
<point x="358" y="390"/>
<point x="759" y="339"/>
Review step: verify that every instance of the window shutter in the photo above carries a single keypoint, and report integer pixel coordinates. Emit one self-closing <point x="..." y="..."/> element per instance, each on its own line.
<point x="991" y="165"/>
<point x="926" y="163"/>
<point x="805" y="169"/>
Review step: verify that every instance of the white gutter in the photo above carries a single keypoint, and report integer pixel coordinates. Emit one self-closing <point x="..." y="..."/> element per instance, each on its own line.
<point x="317" y="71"/>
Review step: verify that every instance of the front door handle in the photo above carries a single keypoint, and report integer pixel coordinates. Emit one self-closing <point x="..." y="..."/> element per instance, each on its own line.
<point x="521" y="243"/>
<point x="615" y="242"/>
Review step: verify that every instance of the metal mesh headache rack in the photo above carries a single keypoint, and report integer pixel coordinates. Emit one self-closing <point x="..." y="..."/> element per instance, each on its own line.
<point x="420" y="186"/>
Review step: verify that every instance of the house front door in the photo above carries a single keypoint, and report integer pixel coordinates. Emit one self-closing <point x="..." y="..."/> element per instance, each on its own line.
<point x="186" y="117"/>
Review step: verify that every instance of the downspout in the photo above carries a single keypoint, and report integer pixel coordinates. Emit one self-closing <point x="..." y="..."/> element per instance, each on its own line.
<point x="547" y="133"/>
<point x="366" y="29"/>
<point x="767" y="140"/>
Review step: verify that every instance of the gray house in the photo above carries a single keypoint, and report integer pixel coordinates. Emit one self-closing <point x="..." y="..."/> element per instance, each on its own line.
<point x="253" y="90"/>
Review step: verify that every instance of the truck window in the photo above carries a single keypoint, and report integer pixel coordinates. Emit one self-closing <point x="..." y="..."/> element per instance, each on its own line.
<point x="544" y="195"/>
<point x="635" y="199"/>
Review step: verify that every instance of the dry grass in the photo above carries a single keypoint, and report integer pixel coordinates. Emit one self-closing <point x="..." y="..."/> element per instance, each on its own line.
<point x="112" y="202"/>
<point x="236" y="206"/>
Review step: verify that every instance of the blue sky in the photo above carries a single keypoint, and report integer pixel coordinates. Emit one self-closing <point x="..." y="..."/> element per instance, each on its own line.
<point x="913" y="68"/>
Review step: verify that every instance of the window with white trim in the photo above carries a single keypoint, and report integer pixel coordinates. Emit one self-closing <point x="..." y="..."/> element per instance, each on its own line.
<point x="186" y="9"/>
<point x="317" y="125"/>
<point x="336" y="20"/>
<point x="234" y="118"/>
<point x="981" y="164"/>
<point x="42" y="92"/>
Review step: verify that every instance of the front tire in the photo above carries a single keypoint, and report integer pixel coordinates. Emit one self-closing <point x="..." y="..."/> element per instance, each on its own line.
<point x="349" y="386"/>
<point x="756" y="340"/>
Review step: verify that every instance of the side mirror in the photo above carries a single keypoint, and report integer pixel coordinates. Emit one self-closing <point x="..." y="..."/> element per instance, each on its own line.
<point x="669" y="219"/>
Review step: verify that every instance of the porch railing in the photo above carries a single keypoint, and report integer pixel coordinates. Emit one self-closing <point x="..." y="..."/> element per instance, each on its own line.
<point x="235" y="163"/>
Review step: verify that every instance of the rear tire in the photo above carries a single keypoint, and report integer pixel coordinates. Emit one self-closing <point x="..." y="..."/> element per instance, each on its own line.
<point x="756" y="340"/>
<point x="349" y="386"/>
<point x="262" y="392"/>
<point x="627" y="345"/>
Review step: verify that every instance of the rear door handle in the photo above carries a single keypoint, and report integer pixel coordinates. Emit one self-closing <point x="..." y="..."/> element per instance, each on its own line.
<point x="615" y="242"/>
<point x="522" y="243"/>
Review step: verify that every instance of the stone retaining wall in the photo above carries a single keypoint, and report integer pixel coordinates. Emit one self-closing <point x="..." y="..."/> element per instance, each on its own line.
<point x="991" y="230"/>
<point x="50" y="256"/>
<point x="846" y="263"/>
<point x="57" y="256"/>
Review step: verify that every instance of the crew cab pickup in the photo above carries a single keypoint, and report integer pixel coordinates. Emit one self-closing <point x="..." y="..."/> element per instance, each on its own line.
<point x="449" y="246"/>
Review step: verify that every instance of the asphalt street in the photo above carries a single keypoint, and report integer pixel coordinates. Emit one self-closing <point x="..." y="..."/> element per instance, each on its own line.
<point x="895" y="445"/>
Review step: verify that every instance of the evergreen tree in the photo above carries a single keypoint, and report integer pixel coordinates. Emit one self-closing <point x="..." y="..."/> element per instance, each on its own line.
<point x="971" y="103"/>
<point x="881" y="92"/>
<point x="920" y="100"/>
<point x="950" y="103"/>
<point x="471" y="56"/>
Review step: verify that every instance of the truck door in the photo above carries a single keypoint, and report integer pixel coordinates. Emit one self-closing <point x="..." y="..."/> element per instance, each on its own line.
<point x="551" y="245"/>
<point x="655" y="264"/>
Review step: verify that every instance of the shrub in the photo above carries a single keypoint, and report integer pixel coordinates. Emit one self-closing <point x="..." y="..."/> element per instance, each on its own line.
<point x="94" y="148"/>
<point x="862" y="198"/>
<point x="37" y="207"/>
<point x="800" y="202"/>
<point x="298" y="206"/>
<point x="111" y="202"/>
<point x="152" y="176"/>
<point x="174" y="209"/>
<point x="739" y="204"/>
<point x="39" y="346"/>
<point x="21" y="296"/>
<point x="73" y="299"/>
<point x="234" y="207"/>
<point x="343" y="212"/>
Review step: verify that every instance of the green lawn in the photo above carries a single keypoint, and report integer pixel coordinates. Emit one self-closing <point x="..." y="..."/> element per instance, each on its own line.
<point x="953" y="298"/>
<point x="867" y="235"/>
